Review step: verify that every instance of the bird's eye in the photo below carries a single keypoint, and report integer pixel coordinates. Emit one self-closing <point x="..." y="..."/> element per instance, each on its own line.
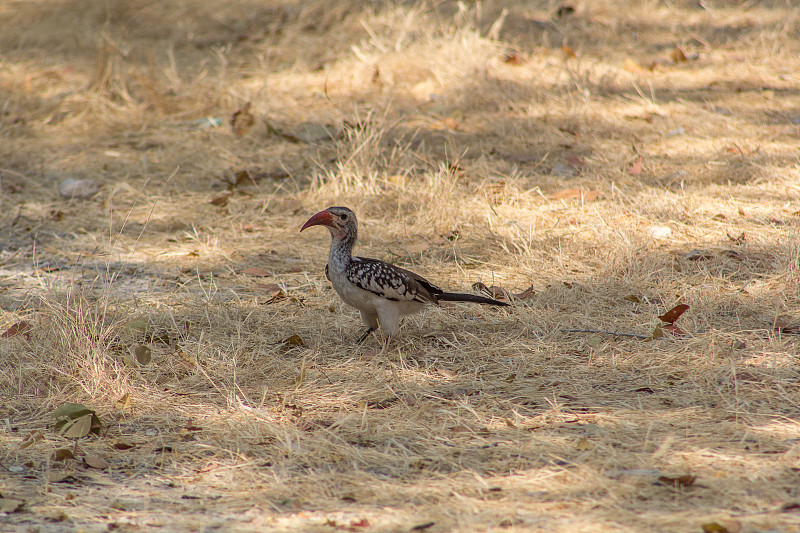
<point x="343" y="217"/>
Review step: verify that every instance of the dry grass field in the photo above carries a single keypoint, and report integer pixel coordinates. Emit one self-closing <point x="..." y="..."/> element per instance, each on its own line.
<point x="617" y="158"/>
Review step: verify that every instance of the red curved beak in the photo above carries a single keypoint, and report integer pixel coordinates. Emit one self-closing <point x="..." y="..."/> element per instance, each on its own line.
<point x="323" y="218"/>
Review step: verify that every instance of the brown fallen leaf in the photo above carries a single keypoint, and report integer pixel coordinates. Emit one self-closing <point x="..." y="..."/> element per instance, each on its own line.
<point x="242" y="120"/>
<point x="95" y="461"/>
<point x="124" y="403"/>
<point x="569" y="53"/>
<point x="723" y="526"/>
<point x="677" y="55"/>
<point x="674" y="314"/>
<point x="20" y="328"/>
<point x="8" y="505"/>
<point x="275" y="296"/>
<point x="737" y="240"/>
<point x="636" y="167"/>
<point x="564" y="10"/>
<point x="62" y="454"/>
<point x="512" y="58"/>
<point x="672" y="328"/>
<point x="80" y="427"/>
<point x="524" y="295"/>
<point x="32" y="438"/>
<point x="294" y="340"/>
<point x="685" y="480"/>
<point x="494" y="291"/>
<point x="221" y="200"/>
<point x="143" y="354"/>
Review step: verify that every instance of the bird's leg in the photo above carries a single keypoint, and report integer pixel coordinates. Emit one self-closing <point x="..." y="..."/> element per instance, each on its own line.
<point x="365" y="335"/>
<point x="371" y="321"/>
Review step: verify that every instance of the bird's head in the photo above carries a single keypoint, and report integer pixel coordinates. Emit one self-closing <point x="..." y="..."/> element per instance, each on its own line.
<point x="341" y="221"/>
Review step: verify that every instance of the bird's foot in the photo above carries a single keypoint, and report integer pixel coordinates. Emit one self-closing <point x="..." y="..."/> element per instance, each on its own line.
<point x="365" y="335"/>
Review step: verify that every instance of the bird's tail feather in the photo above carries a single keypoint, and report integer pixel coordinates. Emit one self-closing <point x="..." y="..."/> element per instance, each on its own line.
<point x="459" y="297"/>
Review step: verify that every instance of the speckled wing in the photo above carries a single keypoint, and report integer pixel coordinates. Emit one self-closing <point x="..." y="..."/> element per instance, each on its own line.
<point x="391" y="282"/>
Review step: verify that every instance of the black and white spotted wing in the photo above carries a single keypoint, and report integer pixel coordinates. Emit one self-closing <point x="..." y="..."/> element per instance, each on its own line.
<point x="391" y="282"/>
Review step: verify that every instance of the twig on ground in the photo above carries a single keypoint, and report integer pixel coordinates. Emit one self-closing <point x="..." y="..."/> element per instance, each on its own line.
<point x="635" y="335"/>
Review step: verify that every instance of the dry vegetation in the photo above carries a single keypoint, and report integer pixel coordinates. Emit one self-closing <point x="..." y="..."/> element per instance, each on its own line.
<point x="450" y="129"/>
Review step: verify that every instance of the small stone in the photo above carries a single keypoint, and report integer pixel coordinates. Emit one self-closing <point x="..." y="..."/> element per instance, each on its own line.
<point x="78" y="189"/>
<point x="659" y="232"/>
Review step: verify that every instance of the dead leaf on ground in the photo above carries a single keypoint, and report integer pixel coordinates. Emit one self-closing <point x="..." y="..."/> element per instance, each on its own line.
<point x="8" y="505"/>
<point x="269" y="288"/>
<point x="512" y="58"/>
<point x="75" y="420"/>
<point x="569" y="53"/>
<point x="124" y="403"/>
<point x="677" y="55"/>
<point x="239" y="178"/>
<point x="685" y="480"/>
<point x="672" y="328"/>
<point x="356" y="524"/>
<point x="95" y="461"/>
<point x="737" y="240"/>
<point x="32" y="438"/>
<point x="242" y="120"/>
<point x="674" y="314"/>
<point x="723" y="526"/>
<point x="294" y="340"/>
<point x="20" y="328"/>
<point x="256" y="272"/>
<point x="62" y="454"/>
<point x="221" y="200"/>
<point x="524" y="295"/>
<point x="494" y="291"/>
<point x="632" y="298"/>
<point x="143" y="354"/>
<point x="75" y="429"/>
<point x="594" y="341"/>
<point x="636" y="168"/>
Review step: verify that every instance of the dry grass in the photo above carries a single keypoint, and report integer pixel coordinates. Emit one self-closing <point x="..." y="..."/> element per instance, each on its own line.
<point x="474" y="419"/>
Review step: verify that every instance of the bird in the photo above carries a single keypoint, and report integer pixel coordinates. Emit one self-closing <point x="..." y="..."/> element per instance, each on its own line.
<point x="382" y="292"/>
